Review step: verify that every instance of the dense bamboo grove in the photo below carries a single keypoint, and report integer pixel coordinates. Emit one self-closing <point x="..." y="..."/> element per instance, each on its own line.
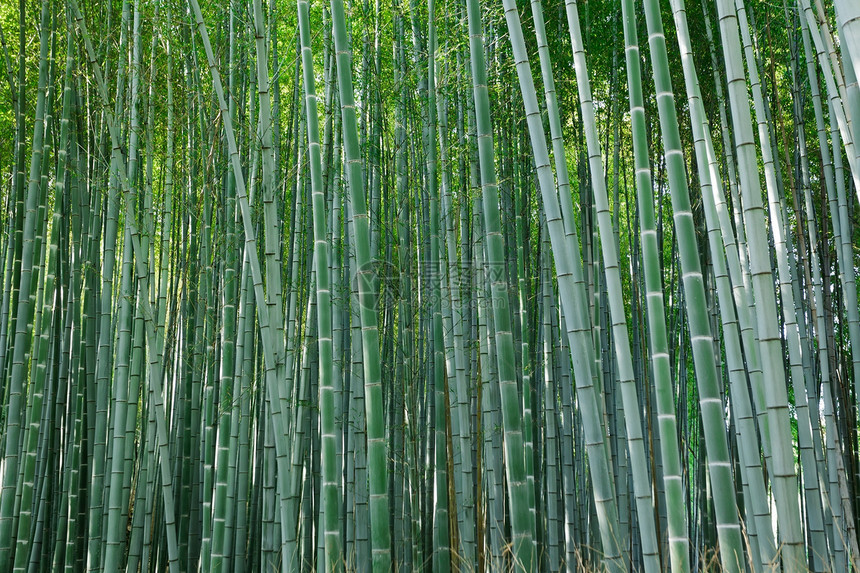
<point x="443" y="286"/>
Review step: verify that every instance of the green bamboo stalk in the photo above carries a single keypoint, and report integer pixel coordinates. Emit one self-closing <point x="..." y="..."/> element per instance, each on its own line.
<point x="632" y="416"/>
<point x="817" y="308"/>
<point x="334" y="557"/>
<point x="758" y="520"/>
<point x="274" y="294"/>
<point x="11" y="292"/>
<point x="835" y="85"/>
<point x="271" y="344"/>
<point x="376" y="447"/>
<point x="523" y="533"/>
<point x="115" y="530"/>
<point x="838" y="214"/>
<point x="441" y="503"/>
<point x="734" y="241"/>
<point x="453" y="333"/>
<point x="790" y="527"/>
<point x="66" y="281"/>
<point x="710" y="402"/>
<point x="553" y="495"/>
<point x="667" y="422"/>
<point x="835" y="461"/>
<point x="33" y="448"/>
<point x="154" y="344"/>
<point x="15" y="402"/>
<point x="848" y="15"/>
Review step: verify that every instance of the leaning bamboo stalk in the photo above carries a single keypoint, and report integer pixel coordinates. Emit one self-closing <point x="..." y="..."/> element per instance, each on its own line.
<point x="848" y="14"/>
<point x="274" y="293"/>
<point x="667" y="422"/>
<point x="270" y="343"/>
<point x="790" y="529"/>
<point x="734" y="242"/>
<point x="818" y="311"/>
<point x="376" y="447"/>
<point x="609" y="251"/>
<point x="154" y="343"/>
<point x="837" y="202"/>
<point x="517" y="478"/>
<point x="8" y="521"/>
<point x="334" y="557"/>
<point x="835" y="87"/>
<point x="758" y="521"/>
<point x="711" y="404"/>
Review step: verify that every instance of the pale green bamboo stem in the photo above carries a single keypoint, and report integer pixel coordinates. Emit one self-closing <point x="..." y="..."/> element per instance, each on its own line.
<point x="710" y="401"/>
<point x="679" y="541"/>
<point x="376" y="446"/>
<point x="334" y="557"/>
<point x="523" y="551"/>
<point x="609" y="250"/>
<point x="758" y="511"/>
<point x="15" y="407"/>
<point x="441" y="503"/>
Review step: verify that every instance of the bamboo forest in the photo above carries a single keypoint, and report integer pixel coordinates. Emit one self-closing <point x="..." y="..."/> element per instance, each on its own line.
<point x="429" y="285"/>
